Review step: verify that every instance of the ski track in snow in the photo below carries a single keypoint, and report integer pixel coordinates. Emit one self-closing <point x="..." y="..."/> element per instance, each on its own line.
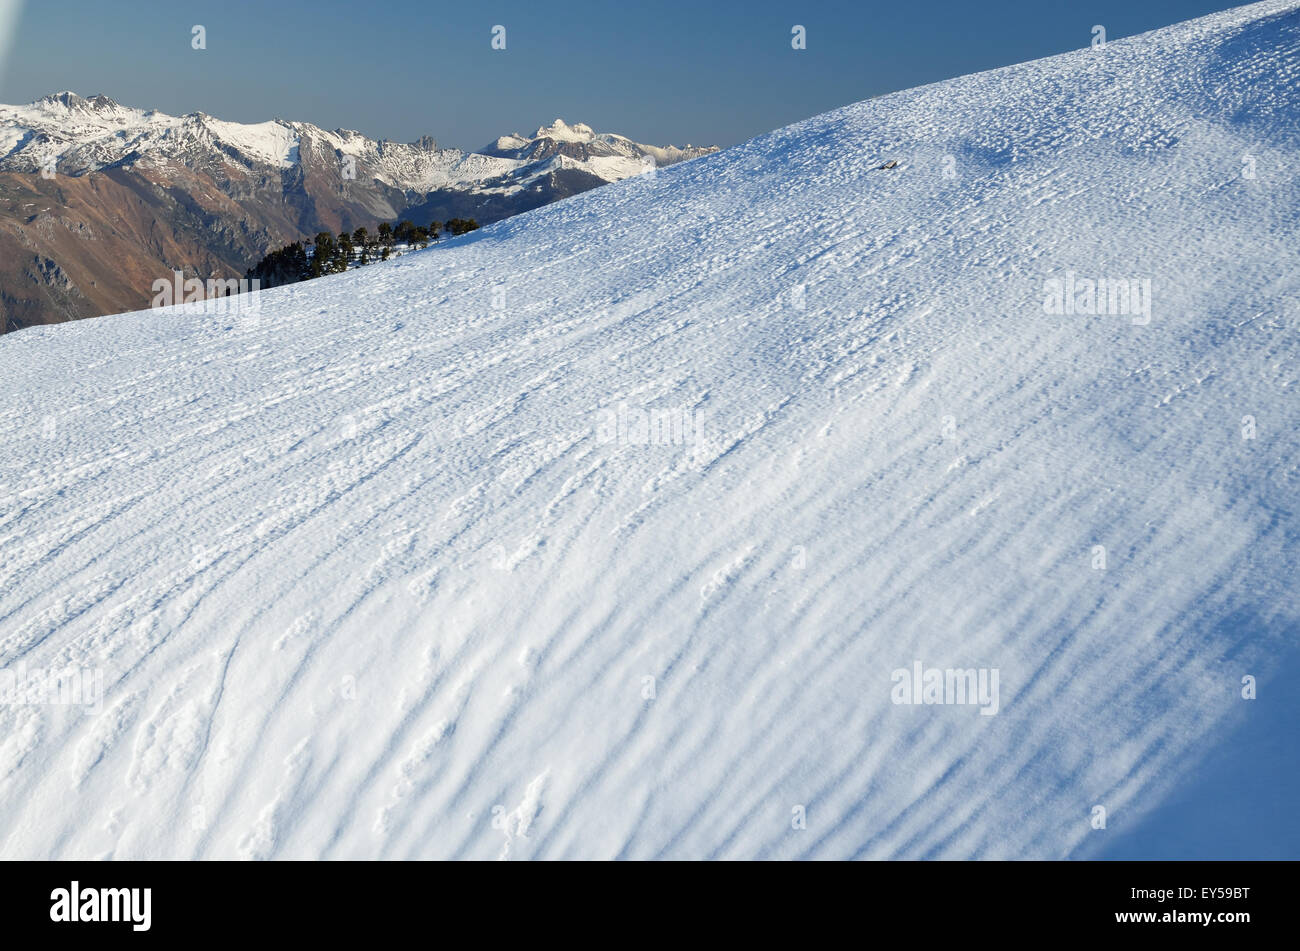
<point x="364" y="582"/>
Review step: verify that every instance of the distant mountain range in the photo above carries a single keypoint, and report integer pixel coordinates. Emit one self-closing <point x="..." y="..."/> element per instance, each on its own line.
<point x="97" y="200"/>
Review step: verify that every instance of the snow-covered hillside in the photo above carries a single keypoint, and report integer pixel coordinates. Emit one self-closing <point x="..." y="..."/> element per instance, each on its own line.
<point x="392" y="568"/>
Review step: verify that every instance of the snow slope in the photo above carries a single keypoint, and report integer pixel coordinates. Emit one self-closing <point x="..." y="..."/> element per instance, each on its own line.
<point x="366" y="575"/>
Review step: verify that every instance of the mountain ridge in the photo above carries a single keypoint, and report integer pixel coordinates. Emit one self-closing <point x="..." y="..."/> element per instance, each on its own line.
<point x="214" y="196"/>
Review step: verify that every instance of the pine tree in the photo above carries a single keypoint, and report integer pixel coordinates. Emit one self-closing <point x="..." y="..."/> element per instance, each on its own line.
<point x="459" y="226"/>
<point x="320" y="259"/>
<point x="288" y="265"/>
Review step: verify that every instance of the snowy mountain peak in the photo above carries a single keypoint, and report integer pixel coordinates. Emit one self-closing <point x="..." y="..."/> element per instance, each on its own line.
<point x="71" y="101"/>
<point x="69" y="104"/>
<point x="507" y="143"/>
<point x="67" y="98"/>
<point x="560" y="131"/>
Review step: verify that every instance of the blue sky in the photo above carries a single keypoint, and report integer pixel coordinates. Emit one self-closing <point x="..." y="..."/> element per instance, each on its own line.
<point x="661" y="72"/>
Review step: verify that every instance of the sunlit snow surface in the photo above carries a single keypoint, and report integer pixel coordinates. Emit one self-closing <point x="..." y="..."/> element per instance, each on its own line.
<point x="365" y="579"/>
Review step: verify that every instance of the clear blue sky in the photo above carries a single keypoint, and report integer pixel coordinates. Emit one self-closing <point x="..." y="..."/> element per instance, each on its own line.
<point x="662" y="72"/>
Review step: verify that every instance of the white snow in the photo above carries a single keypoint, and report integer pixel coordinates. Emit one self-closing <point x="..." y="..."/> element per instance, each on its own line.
<point x="366" y="577"/>
<point x="11" y="136"/>
<point x="510" y="142"/>
<point x="275" y="143"/>
<point x="561" y="131"/>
